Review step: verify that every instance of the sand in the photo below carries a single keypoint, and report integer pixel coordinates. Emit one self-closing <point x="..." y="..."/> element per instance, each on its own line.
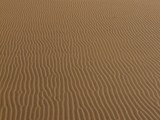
<point x="79" y="60"/>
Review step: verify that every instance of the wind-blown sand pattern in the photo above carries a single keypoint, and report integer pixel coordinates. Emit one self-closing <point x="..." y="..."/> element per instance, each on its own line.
<point x="79" y="60"/>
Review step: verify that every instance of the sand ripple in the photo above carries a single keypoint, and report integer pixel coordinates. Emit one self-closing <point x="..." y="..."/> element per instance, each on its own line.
<point x="79" y="60"/>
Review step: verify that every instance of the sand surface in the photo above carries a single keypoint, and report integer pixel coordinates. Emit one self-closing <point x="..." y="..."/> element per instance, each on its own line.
<point x="79" y="60"/>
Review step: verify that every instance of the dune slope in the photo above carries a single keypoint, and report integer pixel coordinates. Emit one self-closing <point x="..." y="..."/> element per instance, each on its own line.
<point x="79" y="60"/>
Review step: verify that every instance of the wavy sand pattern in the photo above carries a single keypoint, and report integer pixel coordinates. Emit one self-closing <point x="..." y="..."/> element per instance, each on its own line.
<point x="79" y="60"/>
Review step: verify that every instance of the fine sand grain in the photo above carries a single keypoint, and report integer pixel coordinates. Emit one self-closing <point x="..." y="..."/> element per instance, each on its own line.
<point x="79" y="60"/>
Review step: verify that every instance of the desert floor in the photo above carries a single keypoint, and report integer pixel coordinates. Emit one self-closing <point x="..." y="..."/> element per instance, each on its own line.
<point x="79" y="60"/>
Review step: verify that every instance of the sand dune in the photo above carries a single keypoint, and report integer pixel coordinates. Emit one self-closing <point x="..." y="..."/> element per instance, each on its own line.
<point x="79" y="60"/>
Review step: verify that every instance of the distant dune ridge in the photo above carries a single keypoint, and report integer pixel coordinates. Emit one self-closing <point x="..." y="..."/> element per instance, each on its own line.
<point x="79" y="60"/>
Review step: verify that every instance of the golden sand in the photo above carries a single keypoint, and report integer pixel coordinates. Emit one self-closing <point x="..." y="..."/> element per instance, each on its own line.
<point x="79" y="60"/>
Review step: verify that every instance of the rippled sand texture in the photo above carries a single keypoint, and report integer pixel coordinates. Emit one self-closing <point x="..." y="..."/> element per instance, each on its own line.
<point x="80" y="60"/>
